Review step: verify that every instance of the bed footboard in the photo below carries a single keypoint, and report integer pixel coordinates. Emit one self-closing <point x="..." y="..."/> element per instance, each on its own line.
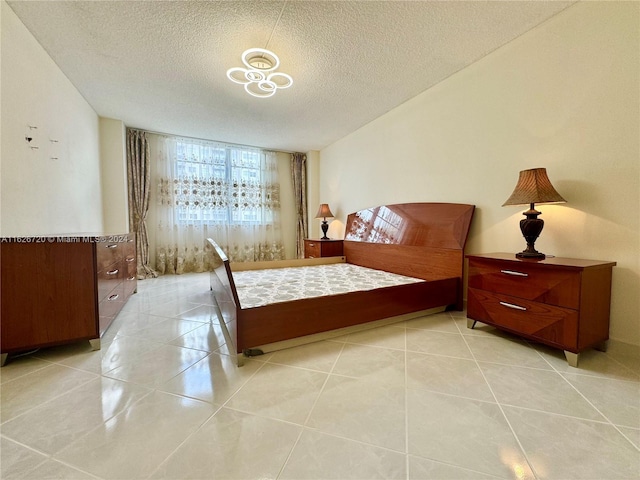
<point x="226" y="299"/>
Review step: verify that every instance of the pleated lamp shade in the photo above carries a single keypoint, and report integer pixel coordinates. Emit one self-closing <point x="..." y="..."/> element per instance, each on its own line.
<point x="534" y="186"/>
<point x="324" y="211"/>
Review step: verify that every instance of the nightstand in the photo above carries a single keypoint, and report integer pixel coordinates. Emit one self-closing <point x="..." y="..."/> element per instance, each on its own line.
<point x="560" y="302"/>
<point x="322" y="248"/>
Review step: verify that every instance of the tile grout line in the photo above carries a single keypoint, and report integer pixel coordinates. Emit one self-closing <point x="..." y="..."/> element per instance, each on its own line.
<point x="54" y="456"/>
<point x="96" y="377"/>
<point x="608" y="420"/>
<point x="304" y="424"/>
<point x="513" y="432"/>
<point x="48" y="458"/>
<point x="187" y="438"/>
<point x="406" y="409"/>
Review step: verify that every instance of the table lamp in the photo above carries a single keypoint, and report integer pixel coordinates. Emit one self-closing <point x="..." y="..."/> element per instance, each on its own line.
<point x="323" y="212"/>
<point x="533" y="187"/>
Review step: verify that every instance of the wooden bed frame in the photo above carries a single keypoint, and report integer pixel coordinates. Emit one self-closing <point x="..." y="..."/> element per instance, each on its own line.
<point x="422" y="240"/>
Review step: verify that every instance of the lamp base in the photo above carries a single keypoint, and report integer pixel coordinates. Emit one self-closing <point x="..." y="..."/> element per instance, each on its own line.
<point x="325" y="227"/>
<point x="531" y="228"/>
<point x="531" y="255"/>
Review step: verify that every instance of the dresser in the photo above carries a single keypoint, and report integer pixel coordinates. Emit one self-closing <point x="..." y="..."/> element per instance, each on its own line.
<point x="116" y="275"/>
<point x="322" y="248"/>
<point x="560" y="302"/>
<point x="62" y="289"/>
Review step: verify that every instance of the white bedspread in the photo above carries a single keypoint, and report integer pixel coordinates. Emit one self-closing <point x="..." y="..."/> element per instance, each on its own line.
<point x="261" y="287"/>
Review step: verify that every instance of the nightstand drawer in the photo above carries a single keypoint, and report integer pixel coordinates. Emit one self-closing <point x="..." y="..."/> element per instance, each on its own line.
<point x="547" y="284"/>
<point x="322" y="248"/>
<point x="550" y="324"/>
<point x="312" y="249"/>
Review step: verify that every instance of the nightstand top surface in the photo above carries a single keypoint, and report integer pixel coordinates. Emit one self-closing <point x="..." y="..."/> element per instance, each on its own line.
<point x="557" y="261"/>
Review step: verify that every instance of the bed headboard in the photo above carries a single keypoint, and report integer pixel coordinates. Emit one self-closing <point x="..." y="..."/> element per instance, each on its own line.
<point x="422" y="240"/>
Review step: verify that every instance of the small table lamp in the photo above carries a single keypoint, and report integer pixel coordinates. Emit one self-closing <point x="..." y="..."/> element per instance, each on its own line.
<point x="533" y="187"/>
<point x="323" y="212"/>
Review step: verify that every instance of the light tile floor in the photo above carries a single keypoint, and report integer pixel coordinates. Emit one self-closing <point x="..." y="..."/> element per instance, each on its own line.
<point x="423" y="399"/>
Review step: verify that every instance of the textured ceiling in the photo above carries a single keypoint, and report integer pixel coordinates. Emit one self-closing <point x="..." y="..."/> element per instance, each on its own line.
<point x="161" y="65"/>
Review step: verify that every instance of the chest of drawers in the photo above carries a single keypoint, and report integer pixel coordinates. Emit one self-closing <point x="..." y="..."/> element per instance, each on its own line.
<point x="116" y="276"/>
<point x="561" y="302"/>
<point x="322" y="248"/>
<point x="59" y="290"/>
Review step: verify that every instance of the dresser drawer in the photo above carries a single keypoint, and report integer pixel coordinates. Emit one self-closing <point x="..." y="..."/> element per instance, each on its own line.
<point x="109" y="307"/>
<point x="108" y="253"/>
<point x="551" y="324"/>
<point x="130" y="276"/>
<point x="130" y="244"/>
<point x="112" y="302"/>
<point x="109" y="279"/>
<point x="550" y="284"/>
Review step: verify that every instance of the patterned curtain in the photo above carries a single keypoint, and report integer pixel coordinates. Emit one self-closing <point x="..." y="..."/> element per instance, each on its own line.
<point x="299" y="175"/>
<point x="139" y="179"/>
<point x="211" y="190"/>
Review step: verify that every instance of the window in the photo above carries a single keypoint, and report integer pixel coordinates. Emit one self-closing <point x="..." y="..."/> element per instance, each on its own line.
<point x="216" y="183"/>
<point x="213" y="190"/>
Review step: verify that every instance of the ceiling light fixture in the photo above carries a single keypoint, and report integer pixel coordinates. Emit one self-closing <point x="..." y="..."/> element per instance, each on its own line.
<point x="260" y="78"/>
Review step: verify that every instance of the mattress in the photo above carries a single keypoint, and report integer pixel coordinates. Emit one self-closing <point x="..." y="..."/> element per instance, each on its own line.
<point x="262" y="287"/>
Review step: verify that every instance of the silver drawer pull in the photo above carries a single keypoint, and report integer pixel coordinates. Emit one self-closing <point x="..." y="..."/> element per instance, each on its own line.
<point x="131" y="278"/>
<point x="312" y="244"/>
<point x="113" y="297"/>
<point x="113" y="272"/>
<point x="517" y="274"/>
<point x="112" y="245"/>
<point x="130" y="259"/>
<point x="511" y="305"/>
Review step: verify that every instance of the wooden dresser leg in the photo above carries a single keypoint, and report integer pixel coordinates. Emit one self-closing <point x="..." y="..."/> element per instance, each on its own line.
<point x="572" y="358"/>
<point x="3" y="359"/>
<point x="471" y="323"/>
<point x="95" y="343"/>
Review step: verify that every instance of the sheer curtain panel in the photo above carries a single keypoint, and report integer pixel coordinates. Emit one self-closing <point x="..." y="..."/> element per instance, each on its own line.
<point x="208" y="189"/>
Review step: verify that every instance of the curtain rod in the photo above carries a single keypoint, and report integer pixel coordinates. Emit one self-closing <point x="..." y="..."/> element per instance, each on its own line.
<point x="209" y="140"/>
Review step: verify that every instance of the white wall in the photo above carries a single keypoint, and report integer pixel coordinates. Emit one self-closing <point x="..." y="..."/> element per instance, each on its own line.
<point x="41" y="195"/>
<point x="564" y="96"/>
<point x="113" y="168"/>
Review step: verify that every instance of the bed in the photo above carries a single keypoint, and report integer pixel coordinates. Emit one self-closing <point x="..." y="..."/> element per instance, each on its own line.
<point x="416" y="249"/>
